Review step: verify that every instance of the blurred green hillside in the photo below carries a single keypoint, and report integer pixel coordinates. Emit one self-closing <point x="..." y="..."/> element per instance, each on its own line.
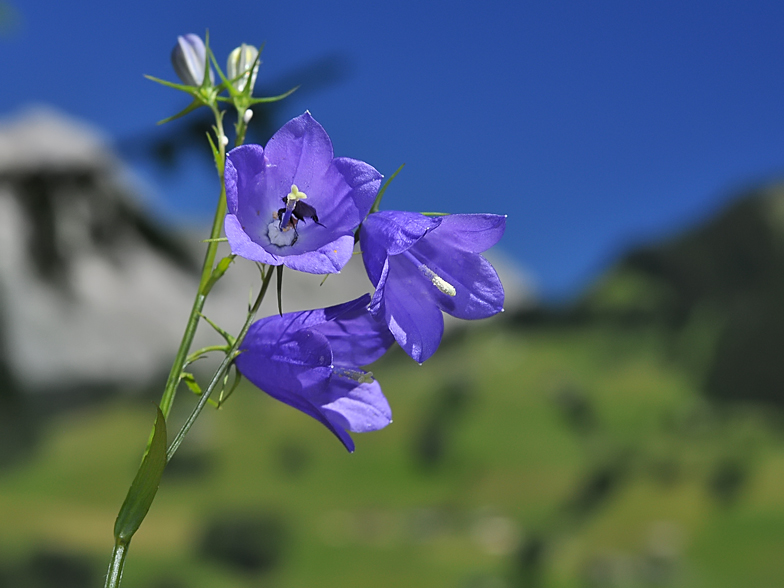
<point x="631" y="439"/>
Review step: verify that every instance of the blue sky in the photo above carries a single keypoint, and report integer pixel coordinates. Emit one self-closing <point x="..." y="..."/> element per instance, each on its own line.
<point x="593" y="125"/>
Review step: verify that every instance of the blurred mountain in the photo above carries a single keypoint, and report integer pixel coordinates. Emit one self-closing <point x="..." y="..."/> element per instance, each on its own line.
<point x="720" y="288"/>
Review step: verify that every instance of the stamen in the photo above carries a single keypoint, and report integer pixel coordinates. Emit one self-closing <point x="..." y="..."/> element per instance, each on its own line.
<point x="443" y="286"/>
<point x="357" y="375"/>
<point x="438" y="281"/>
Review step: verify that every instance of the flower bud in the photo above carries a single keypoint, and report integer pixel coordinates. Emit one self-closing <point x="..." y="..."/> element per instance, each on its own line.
<point x="241" y="60"/>
<point x="189" y="58"/>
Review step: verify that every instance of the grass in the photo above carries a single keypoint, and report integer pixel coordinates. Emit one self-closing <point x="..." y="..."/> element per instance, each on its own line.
<point x="510" y="465"/>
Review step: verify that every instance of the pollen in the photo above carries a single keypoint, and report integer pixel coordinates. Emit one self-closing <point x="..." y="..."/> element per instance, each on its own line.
<point x="439" y="282"/>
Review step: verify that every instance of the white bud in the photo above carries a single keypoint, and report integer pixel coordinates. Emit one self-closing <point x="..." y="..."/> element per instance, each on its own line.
<point x="247" y="116"/>
<point x="239" y="65"/>
<point x="224" y="140"/>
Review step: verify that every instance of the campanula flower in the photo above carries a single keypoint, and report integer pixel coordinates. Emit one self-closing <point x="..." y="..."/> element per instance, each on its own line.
<point x="310" y="359"/>
<point x="292" y="203"/>
<point x="423" y="265"/>
<point x="189" y="58"/>
<point x="242" y="62"/>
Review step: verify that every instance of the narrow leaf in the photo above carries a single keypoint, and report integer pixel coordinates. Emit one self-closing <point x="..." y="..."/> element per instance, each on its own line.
<point x="191" y="383"/>
<point x="223" y="333"/>
<point x="380" y="195"/>
<point x="274" y="98"/>
<point x="218" y="272"/>
<point x="234" y="385"/>
<point x="144" y="486"/>
<point x="279" y="270"/>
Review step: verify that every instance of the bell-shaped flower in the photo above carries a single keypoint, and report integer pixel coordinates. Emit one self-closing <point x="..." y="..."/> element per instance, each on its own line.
<point x="242" y="66"/>
<point x="292" y="203"/>
<point x="424" y="265"/>
<point x="310" y="360"/>
<point x="189" y="58"/>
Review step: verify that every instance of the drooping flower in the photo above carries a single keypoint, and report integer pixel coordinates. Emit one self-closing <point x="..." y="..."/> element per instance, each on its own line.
<point x="242" y="62"/>
<point x="189" y="58"/>
<point x="292" y="203"/>
<point x="311" y="360"/>
<point x="423" y="265"/>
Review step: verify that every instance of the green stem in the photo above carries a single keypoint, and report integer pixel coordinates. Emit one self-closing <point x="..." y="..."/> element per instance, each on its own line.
<point x="170" y="390"/>
<point x="120" y="551"/>
<point x="222" y="368"/>
<point x="116" y="565"/>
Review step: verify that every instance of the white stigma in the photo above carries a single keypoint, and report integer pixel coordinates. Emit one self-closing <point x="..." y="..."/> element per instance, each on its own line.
<point x="295" y="194"/>
<point x="438" y="281"/>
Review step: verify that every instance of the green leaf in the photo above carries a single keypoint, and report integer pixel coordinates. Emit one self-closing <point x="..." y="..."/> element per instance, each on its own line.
<point x="380" y="195"/>
<point x="273" y="98"/>
<point x="197" y="102"/>
<point x="191" y="383"/>
<point x="182" y="87"/>
<point x="218" y="272"/>
<point x="144" y="486"/>
<point x="223" y="333"/>
<point x="237" y="379"/>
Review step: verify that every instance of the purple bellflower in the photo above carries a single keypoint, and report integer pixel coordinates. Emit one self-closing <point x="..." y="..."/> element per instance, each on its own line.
<point x="310" y="359"/>
<point x="292" y="203"/>
<point x="423" y="265"/>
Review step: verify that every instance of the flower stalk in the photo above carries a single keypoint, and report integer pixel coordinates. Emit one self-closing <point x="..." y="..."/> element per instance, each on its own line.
<point x="207" y="280"/>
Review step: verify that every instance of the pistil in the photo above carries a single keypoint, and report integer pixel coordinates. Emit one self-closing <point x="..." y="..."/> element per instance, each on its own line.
<point x="291" y="201"/>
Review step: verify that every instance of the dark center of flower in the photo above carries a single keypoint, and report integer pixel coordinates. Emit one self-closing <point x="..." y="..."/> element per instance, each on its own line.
<point x="282" y="232"/>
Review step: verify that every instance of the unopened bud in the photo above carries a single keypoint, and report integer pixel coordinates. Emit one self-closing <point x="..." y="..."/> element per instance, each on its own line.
<point x="247" y="116"/>
<point x="238" y="69"/>
<point x="189" y="58"/>
<point x="224" y="140"/>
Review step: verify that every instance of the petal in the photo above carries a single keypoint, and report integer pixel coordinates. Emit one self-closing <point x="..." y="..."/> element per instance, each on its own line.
<point x="241" y="243"/>
<point x="406" y="302"/>
<point x="389" y="233"/>
<point x="356" y="337"/>
<point x="290" y="366"/>
<point x="244" y="172"/>
<point x="470" y="232"/>
<point x="328" y="259"/>
<point x="478" y="290"/>
<point x="359" y="408"/>
<point x="299" y="153"/>
<point x="277" y="339"/>
<point x="352" y="186"/>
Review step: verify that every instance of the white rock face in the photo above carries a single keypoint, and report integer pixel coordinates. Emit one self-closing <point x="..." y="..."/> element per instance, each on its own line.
<point x="92" y="292"/>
